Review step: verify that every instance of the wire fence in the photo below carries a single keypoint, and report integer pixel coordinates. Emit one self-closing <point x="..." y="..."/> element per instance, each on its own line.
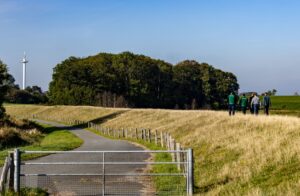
<point x="103" y="173"/>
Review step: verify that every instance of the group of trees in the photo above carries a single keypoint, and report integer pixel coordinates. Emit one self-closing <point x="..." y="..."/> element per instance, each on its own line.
<point x="11" y="93"/>
<point x="272" y="92"/>
<point x="130" y="80"/>
<point x="4" y="81"/>
<point x="31" y="95"/>
<point x="126" y="80"/>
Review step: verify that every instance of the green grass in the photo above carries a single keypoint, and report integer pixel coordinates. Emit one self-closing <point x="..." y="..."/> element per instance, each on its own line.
<point x="28" y="192"/>
<point x="54" y="139"/>
<point x="285" y="105"/>
<point x="285" y="102"/>
<point x="163" y="185"/>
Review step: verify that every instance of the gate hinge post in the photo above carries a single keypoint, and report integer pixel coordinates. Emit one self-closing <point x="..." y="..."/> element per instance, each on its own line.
<point x="17" y="169"/>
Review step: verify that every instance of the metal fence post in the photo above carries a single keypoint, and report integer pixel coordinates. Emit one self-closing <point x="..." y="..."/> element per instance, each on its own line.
<point x="11" y="172"/>
<point x="17" y="170"/>
<point x="103" y="174"/>
<point x="190" y="172"/>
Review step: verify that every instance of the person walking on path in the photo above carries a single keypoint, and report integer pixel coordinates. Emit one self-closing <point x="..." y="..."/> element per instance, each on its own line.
<point x="250" y="105"/>
<point x="243" y="103"/>
<point x="255" y="102"/>
<point x="266" y="103"/>
<point x="231" y="104"/>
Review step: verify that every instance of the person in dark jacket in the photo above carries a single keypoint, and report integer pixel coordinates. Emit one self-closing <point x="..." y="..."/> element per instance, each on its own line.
<point x="266" y="103"/>
<point x="250" y="105"/>
<point x="243" y="102"/>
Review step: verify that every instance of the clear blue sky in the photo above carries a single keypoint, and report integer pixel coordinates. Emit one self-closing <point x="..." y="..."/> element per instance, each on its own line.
<point x="258" y="40"/>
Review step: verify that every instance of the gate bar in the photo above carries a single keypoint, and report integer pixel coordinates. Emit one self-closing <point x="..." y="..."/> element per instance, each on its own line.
<point x="116" y="151"/>
<point x="97" y="163"/>
<point x="124" y="174"/>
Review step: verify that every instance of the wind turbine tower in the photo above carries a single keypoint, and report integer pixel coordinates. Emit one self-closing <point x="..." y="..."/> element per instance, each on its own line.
<point x="24" y="61"/>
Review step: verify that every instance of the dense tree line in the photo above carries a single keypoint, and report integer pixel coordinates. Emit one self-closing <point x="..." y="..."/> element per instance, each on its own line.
<point x="31" y="95"/>
<point x="130" y="80"/>
<point x="4" y="81"/>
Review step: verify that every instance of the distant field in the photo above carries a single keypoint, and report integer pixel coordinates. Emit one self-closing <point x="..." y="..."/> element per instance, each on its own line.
<point x="240" y="155"/>
<point x="286" y="105"/>
<point x="285" y="102"/>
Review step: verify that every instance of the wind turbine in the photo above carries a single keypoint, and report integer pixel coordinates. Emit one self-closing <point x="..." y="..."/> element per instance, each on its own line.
<point x="24" y="62"/>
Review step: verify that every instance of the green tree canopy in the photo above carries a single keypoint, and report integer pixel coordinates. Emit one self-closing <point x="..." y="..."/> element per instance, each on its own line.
<point x="128" y="79"/>
<point x="5" y="80"/>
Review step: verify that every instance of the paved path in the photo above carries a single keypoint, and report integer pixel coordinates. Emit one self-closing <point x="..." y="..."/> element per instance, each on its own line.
<point x="90" y="185"/>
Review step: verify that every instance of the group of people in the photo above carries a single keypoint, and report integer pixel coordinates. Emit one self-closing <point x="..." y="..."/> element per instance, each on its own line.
<point x="252" y="103"/>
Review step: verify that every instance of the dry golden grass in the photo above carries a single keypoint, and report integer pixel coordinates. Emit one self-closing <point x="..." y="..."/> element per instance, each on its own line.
<point x="249" y="155"/>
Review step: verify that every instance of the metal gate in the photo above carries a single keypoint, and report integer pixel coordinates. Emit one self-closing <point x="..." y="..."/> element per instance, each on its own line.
<point x="105" y="172"/>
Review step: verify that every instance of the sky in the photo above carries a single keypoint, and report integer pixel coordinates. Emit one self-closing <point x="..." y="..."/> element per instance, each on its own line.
<point x="257" y="40"/>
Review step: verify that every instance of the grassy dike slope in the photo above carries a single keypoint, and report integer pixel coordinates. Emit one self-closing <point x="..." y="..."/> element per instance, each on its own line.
<point x="238" y="155"/>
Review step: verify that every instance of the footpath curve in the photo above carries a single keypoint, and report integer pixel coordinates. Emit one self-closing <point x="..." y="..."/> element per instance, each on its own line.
<point x="90" y="185"/>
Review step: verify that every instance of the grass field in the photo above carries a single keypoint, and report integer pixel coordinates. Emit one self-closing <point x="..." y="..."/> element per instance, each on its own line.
<point x="53" y="139"/>
<point x="239" y="155"/>
<point x="286" y="105"/>
<point x="286" y="102"/>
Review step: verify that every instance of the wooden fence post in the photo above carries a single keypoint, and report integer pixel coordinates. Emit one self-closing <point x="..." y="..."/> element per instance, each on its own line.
<point x="172" y="147"/>
<point x="149" y="135"/>
<point x="130" y="133"/>
<point x="178" y="156"/>
<point x="155" y="137"/>
<point x="143" y="134"/>
<point x="136" y="133"/>
<point x="168" y="141"/>
<point x="161" y="139"/>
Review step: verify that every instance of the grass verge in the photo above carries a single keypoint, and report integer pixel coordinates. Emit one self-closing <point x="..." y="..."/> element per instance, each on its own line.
<point x="28" y="192"/>
<point x="53" y="139"/>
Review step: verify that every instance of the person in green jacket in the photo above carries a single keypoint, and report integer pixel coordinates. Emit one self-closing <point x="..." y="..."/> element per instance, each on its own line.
<point x="231" y="104"/>
<point x="243" y="103"/>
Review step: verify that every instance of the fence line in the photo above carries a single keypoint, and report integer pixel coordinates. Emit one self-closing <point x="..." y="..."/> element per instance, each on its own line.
<point x="162" y="139"/>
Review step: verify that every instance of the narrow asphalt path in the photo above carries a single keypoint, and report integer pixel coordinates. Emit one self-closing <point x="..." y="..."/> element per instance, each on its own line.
<point x="91" y="183"/>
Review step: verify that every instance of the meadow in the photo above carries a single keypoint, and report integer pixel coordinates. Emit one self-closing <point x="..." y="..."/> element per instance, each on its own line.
<point x="249" y="155"/>
<point x="286" y="105"/>
<point x="285" y="102"/>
